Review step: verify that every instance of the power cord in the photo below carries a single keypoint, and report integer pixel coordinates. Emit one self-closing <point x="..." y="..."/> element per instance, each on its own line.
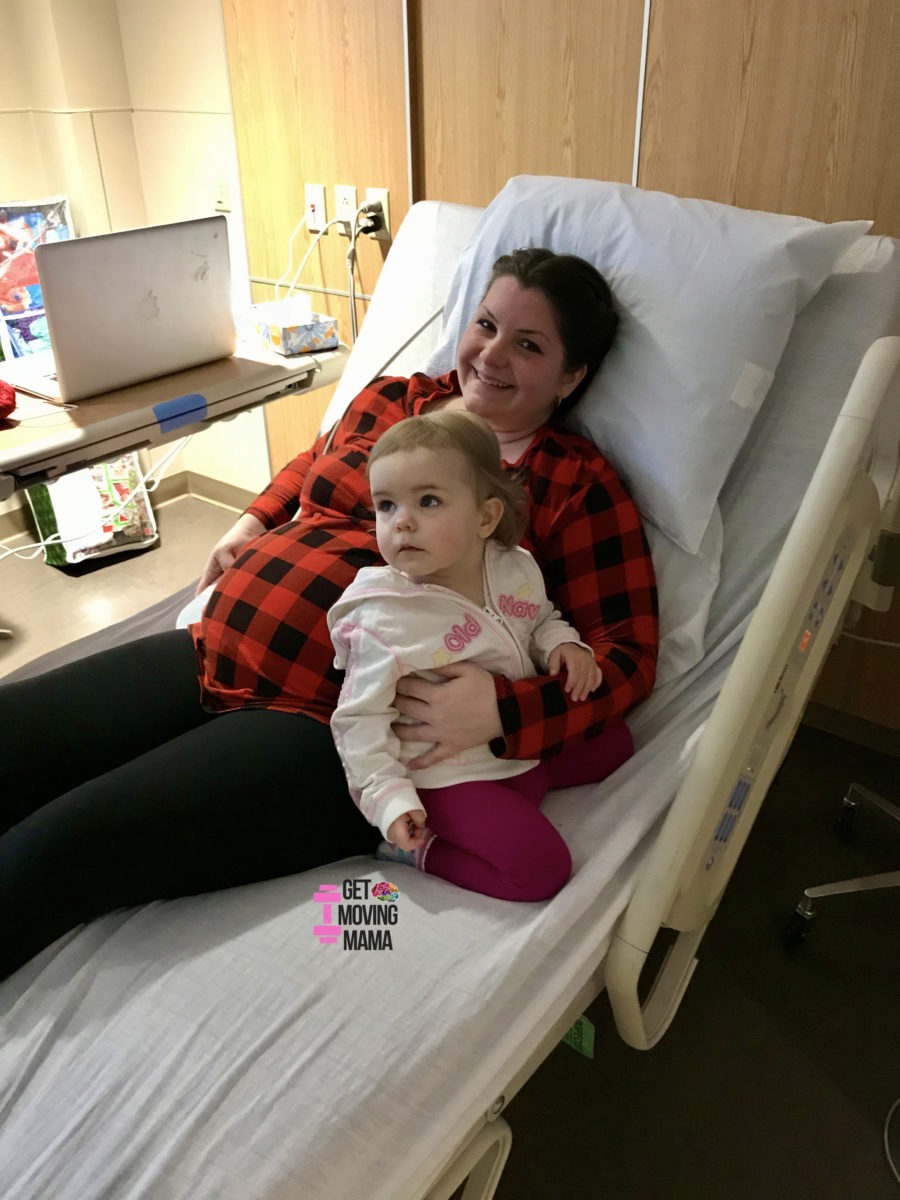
<point x="373" y="212"/>
<point x="297" y="229"/>
<point x="887" y="1140"/>
<point x="855" y="637"/>
<point x="306" y="256"/>
<point x="149" y="482"/>
<point x="57" y="406"/>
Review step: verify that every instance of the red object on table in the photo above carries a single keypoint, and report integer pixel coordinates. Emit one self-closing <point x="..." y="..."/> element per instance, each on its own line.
<point x="7" y="399"/>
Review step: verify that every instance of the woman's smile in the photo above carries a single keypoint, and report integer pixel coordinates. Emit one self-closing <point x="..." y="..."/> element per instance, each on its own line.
<point x="491" y="382"/>
<point x="511" y="360"/>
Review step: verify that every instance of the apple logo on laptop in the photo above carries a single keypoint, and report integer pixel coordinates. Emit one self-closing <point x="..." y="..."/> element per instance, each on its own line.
<point x="149" y="306"/>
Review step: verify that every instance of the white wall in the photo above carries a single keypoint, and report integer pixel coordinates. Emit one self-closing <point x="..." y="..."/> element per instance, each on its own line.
<point x="63" y="81"/>
<point x="176" y="63"/>
<point x="21" y="164"/>
<point x="125" y="106"/>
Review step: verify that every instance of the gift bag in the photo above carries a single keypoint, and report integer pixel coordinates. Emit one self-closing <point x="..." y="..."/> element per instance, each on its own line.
<point x="101" y="510"/>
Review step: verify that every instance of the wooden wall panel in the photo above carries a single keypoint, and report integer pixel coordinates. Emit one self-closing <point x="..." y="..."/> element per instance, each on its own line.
<point x="293" y="422"/>
<point x="319" y="96"/>
<point x="509" y="87"/>
<point x="789" y="107"/>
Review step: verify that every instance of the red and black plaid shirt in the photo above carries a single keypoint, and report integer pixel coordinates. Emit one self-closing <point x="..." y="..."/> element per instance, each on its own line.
<point x="263" y="641"/>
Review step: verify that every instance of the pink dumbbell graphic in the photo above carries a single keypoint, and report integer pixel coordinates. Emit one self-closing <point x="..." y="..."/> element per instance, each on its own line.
<point x="327" y="895"/>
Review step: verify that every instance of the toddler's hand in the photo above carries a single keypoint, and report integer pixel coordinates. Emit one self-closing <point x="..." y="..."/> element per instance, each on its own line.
<point x="582" y="672"/>
<point x="408" y="831"/>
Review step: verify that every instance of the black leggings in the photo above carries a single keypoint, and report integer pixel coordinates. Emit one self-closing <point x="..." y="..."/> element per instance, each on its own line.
<point x="119" y="789"/>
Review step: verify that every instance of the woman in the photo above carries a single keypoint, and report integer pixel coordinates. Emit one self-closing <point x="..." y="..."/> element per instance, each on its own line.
<point x="175" y="797"/>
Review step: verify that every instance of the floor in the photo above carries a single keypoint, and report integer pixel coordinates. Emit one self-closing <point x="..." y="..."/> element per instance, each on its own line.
<point x="777" y="1074"/>
<point x="775" y="1079"/>
<point x="46" y="607"/>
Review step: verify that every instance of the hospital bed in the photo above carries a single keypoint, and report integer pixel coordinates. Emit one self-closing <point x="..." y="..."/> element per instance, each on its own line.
<point x="214" y="1048"/>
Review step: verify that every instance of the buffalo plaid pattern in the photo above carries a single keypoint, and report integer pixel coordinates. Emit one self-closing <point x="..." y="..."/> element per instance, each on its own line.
<point x="263" y="640"/>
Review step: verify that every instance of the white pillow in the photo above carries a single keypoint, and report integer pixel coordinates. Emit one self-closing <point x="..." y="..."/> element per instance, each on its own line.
<point x="686" y="584"/>
<point x="707" y="295"/>
<point x="193" y="610"/>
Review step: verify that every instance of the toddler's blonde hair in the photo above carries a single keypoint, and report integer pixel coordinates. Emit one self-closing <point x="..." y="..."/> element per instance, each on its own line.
<point x="476" y="443"/>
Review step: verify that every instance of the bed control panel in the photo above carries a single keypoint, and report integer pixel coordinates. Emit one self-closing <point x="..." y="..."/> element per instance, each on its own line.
<point x="815" y="615"/>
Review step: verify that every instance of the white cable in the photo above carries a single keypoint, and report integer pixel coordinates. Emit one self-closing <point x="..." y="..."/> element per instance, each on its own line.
<point x="143" y="482"/>
<point x="299" y="226"/>
<point x="163" y="463"/>
<point x="367" y="207"/>
<point x="19" y="551"/>
<point x="887" y="1140"/>
<point x="351" y="288"/>
<point x="351" y="276"/>
<point x="855" y="637"/>
<point x="351" y="259"/>
<point x="313" y="244"/>
<point x="642" y="83"/>
<point x="407" y="89"/>
<point x="57" y="407"/>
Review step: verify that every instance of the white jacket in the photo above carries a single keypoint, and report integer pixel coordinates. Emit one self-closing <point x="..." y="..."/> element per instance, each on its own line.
<point x="385" y="626"/>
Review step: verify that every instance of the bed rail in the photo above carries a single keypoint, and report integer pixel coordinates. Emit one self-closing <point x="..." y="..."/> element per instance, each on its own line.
<point x="755" y="717"/>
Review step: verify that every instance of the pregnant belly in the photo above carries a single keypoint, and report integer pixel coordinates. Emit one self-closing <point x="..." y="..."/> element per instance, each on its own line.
<point x="263" y="640"/>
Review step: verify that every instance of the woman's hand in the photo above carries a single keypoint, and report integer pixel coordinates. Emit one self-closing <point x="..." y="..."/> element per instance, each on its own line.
<point x="453" y="715"/>
<point x="582" y="672"/>
<point x="226" y="550"/>
<point x="408" y="831"/>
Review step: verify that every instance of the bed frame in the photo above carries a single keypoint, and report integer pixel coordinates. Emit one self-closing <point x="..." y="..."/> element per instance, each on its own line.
<point x="825" y="564"/>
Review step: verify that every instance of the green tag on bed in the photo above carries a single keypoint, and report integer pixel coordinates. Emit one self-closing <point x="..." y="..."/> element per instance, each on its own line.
<point x="581" y="1037"/>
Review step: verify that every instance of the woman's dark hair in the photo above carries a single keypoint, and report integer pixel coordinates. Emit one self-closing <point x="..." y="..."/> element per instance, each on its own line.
<point x="581" y="302"/>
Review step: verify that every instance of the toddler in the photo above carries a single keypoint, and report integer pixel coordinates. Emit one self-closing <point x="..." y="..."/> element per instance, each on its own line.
<point x="456" y="587"/>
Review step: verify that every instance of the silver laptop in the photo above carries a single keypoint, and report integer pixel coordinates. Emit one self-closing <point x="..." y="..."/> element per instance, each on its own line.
<point x="125" y="307"/>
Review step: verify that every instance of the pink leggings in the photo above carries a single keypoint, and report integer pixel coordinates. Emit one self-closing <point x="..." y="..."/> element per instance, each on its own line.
<point x="492" y="837"/>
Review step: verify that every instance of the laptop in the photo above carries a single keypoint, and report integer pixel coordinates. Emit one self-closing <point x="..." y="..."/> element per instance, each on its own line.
<point x="129" y="306"/>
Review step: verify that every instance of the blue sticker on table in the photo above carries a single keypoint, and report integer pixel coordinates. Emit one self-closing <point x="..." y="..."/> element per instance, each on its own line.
<point x="183" y="410"/>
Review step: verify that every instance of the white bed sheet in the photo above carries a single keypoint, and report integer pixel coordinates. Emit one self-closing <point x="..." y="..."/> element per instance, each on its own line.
<point x="211" y="1048"/>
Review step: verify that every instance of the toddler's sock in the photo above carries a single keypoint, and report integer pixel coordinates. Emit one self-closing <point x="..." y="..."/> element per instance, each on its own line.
<point x="385" y="852"/>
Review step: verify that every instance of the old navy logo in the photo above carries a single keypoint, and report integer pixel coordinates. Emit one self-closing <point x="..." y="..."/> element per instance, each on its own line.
<point x="511" y="607"/>
<point x="460" y="635"/>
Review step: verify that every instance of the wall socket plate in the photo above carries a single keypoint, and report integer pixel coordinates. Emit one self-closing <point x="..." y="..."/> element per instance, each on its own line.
<point x="345" y="207"/>
<point x="315" y="206"/>
<point x="384" y="233"/>
<point x="223" y="196"/>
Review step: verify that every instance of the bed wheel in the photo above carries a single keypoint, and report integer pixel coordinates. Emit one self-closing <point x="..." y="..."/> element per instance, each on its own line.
<point x="795" y="930"/>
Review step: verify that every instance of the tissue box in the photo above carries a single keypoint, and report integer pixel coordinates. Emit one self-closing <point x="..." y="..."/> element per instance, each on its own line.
<point x="290" y="330"/>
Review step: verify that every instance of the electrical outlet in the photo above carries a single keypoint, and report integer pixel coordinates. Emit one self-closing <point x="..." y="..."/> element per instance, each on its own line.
<point x="384" y="233"/>
<point x="223" y="196"/>
<point x="345" y="207"/>
<point x="315" y="207"/>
